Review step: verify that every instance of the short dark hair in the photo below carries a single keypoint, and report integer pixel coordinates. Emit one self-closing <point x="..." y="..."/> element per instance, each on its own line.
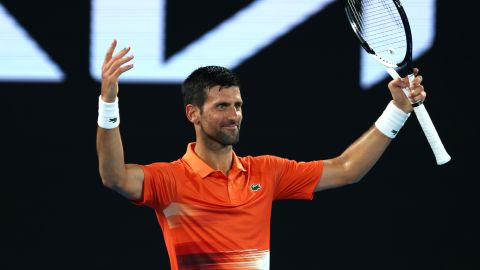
<point x="196" y="85"/>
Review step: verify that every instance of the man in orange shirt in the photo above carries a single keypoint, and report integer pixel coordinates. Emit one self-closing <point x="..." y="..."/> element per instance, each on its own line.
<point x="213" y="206"/>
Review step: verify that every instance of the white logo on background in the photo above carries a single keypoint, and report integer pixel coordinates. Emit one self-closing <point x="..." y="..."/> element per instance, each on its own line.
<point x="229" y="44"/>
<point x="141" y="24"/>
<point x="21" y="57"/>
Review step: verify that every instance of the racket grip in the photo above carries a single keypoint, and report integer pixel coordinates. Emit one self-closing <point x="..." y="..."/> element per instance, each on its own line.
<point x="426" y="123"/>
<point x="428" y="128"/>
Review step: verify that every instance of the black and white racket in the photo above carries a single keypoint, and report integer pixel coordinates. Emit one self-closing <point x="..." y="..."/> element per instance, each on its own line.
<point x="383" y="30"/>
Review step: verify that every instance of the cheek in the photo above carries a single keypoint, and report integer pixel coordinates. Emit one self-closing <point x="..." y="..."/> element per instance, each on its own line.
<point x="209" y="120"/>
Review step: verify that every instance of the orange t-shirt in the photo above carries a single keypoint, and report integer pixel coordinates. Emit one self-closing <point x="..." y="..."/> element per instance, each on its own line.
<point x="215" y="221"/>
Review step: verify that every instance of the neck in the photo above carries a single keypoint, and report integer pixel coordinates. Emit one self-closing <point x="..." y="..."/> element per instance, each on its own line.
<point x="217" y="156"/>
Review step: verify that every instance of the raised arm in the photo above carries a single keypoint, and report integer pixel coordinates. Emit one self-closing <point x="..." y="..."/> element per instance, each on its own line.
<point x="360" y="157"/>
<point x="127" y="179"/>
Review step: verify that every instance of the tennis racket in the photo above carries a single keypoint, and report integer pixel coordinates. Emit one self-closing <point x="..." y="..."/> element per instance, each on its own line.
<point x="383" y="30"/>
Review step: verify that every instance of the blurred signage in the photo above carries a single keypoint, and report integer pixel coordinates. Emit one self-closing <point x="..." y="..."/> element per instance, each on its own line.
<point x="141" y="24"/>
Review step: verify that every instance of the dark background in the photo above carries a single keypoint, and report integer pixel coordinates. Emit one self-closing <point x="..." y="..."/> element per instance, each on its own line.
<point x="302" y="101"/>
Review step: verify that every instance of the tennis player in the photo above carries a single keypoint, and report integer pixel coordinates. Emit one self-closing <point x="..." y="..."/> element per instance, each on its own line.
<point x="213" y="206"/>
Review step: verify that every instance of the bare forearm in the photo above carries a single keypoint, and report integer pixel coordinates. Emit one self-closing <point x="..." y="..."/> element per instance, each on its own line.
<point x="360" y="157"/>
<point x="110" y="156"/>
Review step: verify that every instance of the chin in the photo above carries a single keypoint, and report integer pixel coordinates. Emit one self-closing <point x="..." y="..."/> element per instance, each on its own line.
<point x="229" y="140"/>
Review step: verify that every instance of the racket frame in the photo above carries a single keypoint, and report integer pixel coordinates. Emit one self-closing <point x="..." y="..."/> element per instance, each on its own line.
<point x="403" y="69"/>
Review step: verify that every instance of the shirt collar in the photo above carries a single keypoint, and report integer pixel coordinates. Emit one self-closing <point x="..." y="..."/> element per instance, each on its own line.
<point x="203" y="169"/>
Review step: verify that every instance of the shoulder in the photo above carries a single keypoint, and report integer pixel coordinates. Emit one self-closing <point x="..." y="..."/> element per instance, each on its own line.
<point x="166" y="167"/>
<point x="279" y="163"/>
<point x="261" y="158"/>
<point x="262" y="161"/>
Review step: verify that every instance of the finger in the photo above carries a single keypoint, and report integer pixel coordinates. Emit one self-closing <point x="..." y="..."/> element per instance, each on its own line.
<point x="416" y="91"/>
<point x="420" y="97"/>
<point x="395" y="87"/>
<point x="405" y="82"/>
<point x="119" y="55"/>
<point x="417" y="81"/>
<point x="399" y="83"/>
<point x="118" y="63"/>
<point x="122" y="53"/>
<point x="415" y="71"/>
<point x="110" y="51"/>
<point x="122" y="69"/>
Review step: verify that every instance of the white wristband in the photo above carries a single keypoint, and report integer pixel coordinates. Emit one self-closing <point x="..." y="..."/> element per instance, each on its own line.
<point x="391" y="120"/>
<point x="108" y="114"/>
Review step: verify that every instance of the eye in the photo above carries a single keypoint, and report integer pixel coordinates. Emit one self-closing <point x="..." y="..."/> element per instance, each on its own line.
<point x="221" y="106"/>
<point x="238" y="106"/>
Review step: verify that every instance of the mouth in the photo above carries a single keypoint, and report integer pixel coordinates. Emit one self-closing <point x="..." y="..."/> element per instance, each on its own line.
<point x="231" y="127"/>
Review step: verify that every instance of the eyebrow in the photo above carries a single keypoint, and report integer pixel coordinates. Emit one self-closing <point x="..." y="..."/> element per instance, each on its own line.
<point x="228" y="103"/>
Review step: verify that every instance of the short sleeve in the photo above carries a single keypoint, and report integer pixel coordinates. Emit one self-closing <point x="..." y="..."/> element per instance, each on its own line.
<point x="159" y="186"/>
<point x="296" y="180"/>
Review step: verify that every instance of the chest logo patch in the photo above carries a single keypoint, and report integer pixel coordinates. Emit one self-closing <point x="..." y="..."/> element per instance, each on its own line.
<point x="255" y="187"/>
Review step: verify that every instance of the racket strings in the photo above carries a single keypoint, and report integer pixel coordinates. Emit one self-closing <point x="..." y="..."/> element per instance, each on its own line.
<point x="380" y="25"/>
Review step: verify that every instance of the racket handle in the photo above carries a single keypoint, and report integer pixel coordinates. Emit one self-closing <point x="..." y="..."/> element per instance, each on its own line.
<point x="431" y="133"/>
<point x="426" y="123"/>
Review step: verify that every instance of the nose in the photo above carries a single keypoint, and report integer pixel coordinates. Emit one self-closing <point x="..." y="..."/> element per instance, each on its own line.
<point x="234" y="113"/>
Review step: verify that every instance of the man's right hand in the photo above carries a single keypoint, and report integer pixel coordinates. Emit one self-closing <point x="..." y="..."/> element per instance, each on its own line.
<point x="127" y="179"/>
<point x="112" y="68"/>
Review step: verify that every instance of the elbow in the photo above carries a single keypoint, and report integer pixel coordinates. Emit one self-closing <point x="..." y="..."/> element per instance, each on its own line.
<point x="111" y="180"/>
<point x="350" y="175"/>
<point x="354" y="180"/>
<point x="108" y="182"/>
<point x="349" y="180"/>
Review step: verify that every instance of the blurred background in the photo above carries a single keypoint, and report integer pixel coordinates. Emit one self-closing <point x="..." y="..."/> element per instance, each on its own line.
<point x="309" y="92"/>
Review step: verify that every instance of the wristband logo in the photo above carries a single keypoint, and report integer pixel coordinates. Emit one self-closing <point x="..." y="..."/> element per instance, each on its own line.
<point x="112" y="120"/>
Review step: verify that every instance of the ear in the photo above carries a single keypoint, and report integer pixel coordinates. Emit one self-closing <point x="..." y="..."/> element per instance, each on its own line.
<point x="193" y="113"/>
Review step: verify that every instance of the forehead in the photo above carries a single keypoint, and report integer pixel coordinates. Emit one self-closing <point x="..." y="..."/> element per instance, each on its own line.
<point x="224" y="94"/>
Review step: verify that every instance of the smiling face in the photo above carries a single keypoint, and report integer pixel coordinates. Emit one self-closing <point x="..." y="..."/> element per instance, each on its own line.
<point x="220" y="118"/>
